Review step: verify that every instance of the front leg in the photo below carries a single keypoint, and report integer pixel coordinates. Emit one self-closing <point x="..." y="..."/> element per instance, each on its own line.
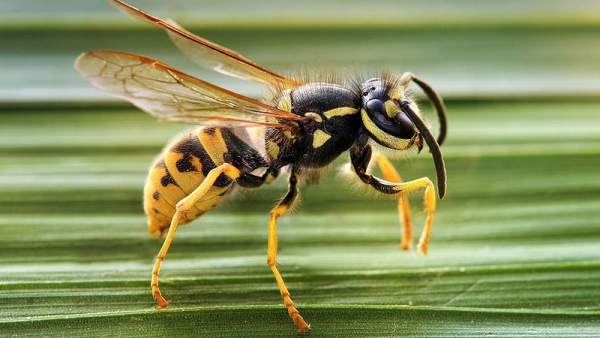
<point x="390" y="174"/>
<point x="360" y="156"/>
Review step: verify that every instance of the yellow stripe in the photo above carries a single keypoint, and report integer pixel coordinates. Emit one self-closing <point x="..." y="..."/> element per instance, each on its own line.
<point x="319" y="138"/>
<point x="288" y="134"/>
<point x="214" y="144"/>
<point x="166" y="210"/>
<point x="169" y="195"/>
<point x="388" y="140"/>
<point x="285" y="101"/>
<point x="314" y="116"/>
<point x="187" y="181"/>
<point x="391" y="108"/>
<point x="341" y="111"/>
<point x="272" y="149"/>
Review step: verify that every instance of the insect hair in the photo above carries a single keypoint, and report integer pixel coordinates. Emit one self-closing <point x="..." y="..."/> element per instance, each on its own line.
<point x="390" y="80"/>
<point x="353" y="82"/>
<point x="305" y="75"/>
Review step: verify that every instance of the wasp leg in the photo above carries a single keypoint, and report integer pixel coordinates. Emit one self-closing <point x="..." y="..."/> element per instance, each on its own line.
<point x="361" y="156"/>
<point x="282" y="207"/>
<point x="390" y="174"/>
<point x="181" y="208"/>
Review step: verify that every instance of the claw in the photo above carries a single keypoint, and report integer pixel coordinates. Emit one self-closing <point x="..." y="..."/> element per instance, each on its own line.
<point x="160" y="300"/>
<point x="423" y="247"/>
<point x="301" y="324"/>
<point x="405" y="245"/>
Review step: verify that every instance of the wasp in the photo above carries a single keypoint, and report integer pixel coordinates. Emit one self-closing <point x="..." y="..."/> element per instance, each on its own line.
<point x="243" y="142"/>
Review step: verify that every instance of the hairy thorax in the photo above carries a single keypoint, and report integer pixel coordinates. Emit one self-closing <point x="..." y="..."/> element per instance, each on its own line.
<point x="335" y="112"/>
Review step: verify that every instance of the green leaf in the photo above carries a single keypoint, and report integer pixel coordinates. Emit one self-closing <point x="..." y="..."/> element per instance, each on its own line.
<point x="514" y="248"/>
<point x="514" y="251"/>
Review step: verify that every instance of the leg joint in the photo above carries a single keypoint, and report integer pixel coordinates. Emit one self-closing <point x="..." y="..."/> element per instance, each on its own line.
<point x="231" y="171"/>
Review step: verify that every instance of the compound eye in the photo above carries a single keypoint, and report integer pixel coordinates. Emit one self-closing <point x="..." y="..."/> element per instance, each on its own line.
<point x="400" y="125"/>
<point x="375" y="106"/>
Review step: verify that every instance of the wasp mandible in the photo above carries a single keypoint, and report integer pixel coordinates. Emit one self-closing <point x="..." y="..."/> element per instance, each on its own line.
<point x="242" y="142"/>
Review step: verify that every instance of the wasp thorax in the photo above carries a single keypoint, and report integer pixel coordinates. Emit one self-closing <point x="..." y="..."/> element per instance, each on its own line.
<point x="383" y="118"/>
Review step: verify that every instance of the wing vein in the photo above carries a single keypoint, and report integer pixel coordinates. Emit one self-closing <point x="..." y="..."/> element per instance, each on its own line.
<point x="169" y="94"/>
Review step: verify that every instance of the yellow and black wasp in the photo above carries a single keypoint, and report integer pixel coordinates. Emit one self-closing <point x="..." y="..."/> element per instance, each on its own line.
<point x="247" y="143"/>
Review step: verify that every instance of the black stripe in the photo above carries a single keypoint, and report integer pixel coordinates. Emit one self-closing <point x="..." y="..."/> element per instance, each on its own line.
<point x="191" y="146"/>
<point x="167" y="178"/>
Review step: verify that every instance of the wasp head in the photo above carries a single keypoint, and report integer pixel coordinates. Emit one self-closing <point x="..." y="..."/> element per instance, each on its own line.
<point x="384" y="119"/>
<point x="393" y="120"/>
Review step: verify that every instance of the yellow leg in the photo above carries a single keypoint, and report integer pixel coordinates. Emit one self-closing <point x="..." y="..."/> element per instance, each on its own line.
<point x="182" y="207"/>
<point x="360" y="156"/>
<point x="390" y="174"/>
<point x="429" y="201"/>
<point x="277" y="212"/>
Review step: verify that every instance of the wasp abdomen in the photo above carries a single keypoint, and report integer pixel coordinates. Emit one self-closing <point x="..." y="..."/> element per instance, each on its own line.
<point x="184" y="164"/>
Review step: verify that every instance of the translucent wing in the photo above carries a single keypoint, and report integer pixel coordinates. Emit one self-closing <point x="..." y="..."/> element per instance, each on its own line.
<point x="209" y="54"/>
<point x="169" y="94"/>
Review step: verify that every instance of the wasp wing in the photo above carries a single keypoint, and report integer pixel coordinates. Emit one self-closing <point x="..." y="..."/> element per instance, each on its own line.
<point x="169" y="94"/>
<point x="209" y="54"/>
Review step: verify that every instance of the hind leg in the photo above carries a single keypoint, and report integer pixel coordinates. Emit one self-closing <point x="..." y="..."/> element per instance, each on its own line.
<point x="182" y="207"/>
<point x="282" y="207"/>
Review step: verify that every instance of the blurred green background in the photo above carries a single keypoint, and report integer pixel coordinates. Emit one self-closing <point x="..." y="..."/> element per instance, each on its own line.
<point x="516" y="242"/>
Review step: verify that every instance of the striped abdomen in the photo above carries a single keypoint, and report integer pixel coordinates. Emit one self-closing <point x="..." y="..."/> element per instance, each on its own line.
<point x="184" y="164"/>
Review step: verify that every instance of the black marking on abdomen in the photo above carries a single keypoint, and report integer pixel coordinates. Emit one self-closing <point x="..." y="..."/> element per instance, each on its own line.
<point x="191" y="146"/>
<point x="167" y="178"/>
<point x="185" y="164"/>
